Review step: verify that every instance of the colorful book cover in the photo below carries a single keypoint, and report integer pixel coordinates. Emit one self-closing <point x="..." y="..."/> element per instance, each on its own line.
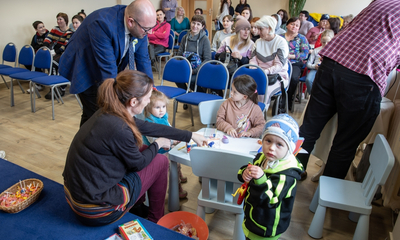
<point x="134" y="230"/>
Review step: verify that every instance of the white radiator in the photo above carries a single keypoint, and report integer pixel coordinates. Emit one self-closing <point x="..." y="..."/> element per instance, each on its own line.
<point x="391" y="189"/>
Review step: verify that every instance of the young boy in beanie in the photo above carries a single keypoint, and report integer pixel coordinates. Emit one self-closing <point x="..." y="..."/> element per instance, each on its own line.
<point x="272" y="181"/>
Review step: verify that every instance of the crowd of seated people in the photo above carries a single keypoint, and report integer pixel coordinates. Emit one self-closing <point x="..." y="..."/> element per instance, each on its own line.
<point x="247" y="46"/>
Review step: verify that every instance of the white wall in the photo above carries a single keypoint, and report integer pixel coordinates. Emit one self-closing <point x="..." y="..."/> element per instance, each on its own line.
<point x="337" y="7"/>
<point x="17" y="16"/>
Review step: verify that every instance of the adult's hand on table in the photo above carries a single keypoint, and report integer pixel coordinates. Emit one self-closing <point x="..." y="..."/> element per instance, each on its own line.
<point x="199" y="139"/>
<point x="163" y="142"/>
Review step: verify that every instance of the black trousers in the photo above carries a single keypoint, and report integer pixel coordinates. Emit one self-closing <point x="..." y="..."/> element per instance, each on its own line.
<point x="89" y="103"/>
<point x="294" y="81"/>
<point x="356" y="99"/>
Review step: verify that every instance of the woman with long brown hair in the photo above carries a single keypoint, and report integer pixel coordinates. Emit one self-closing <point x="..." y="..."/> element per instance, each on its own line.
<point x="108" y="168"/>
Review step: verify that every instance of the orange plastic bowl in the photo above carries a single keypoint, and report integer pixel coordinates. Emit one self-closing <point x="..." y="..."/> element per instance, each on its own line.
<point x="172" y="219"/>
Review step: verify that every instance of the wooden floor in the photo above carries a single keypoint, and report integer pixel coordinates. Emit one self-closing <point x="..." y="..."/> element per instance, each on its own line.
<point x="40" y="144"/>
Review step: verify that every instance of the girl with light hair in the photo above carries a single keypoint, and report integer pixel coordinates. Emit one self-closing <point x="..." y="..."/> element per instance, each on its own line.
<point x="270" y="52"/>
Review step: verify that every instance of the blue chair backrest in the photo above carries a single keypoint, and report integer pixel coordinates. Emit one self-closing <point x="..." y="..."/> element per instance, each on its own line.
<point x="26" y="55"/>
<point x="206" y="32"/>
<point x="171" y="41"/>
<point x="182" y="34"/>
<point x="213" y="74"/>
<point x="171" y="32"/>
<point x="9" y="52"/>
<point x="43" y="58"/>
<point x="178" y="70"/>
<point x="257" y="74"/>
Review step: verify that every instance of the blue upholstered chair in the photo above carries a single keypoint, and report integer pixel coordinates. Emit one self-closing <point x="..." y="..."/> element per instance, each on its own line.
<point x="167" y="54"/>
<point x="211" y="75"/>
<point x="25" y="57"/>
<point x="259" y="77"/>
<point x="9" y="55"/>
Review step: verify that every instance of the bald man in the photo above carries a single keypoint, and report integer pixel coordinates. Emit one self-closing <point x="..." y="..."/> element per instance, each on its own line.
<point x="100" y="49"/>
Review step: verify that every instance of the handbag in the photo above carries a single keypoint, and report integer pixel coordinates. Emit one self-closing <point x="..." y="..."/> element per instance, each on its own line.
<point x="226" y="57"/>
<point x="273" y="78"/>
<point x="193" y="58"/>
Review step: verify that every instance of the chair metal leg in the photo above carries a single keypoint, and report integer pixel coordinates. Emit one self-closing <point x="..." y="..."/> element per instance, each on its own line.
<point x="20" y="86"/>
<point x="314" y="202"/>
<point x="79" y="100"/>
<point x="59" y="96"/>
<point x="52" y="100"/>
<point x="11" y="93"/>
<point x="5" y="82"/>
<point x="32" y="96"/>
<point x="362" y="228"/>
<point x="201" y="212"/>
<point x="238" y="230"/>
<point x="317" y="224"/>
<point x="191" y="113"/>
<point x="175" y="108"/>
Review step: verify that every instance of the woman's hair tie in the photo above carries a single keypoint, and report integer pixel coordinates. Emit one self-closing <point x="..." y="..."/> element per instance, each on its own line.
<point x="255" y="91"/>
<point x="115" y="80"/>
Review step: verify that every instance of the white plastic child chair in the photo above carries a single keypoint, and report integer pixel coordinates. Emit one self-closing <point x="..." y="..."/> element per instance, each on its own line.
<point x="218" y="169"/>
<point x="353" y="196"/>
<point x="208" y="111"/>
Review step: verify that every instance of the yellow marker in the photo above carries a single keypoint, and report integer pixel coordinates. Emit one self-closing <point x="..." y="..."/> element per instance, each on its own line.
<point x="181" y="148"/>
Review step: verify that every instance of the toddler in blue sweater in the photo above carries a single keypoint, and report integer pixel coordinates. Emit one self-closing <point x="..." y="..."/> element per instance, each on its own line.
<point x="156" y="112"/>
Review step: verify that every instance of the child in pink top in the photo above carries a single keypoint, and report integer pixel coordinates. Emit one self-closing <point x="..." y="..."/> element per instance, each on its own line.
<point x="240" y="115"/>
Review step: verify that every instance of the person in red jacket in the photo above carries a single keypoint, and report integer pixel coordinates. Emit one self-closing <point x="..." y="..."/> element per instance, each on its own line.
<point x="158" y="37"/>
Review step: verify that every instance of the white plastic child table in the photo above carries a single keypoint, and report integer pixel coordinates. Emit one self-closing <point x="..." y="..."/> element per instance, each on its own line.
<point x="241" y="145"/>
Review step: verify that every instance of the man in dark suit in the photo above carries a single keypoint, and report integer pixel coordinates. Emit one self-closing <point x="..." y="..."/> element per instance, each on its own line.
<point x="100" y="49"/>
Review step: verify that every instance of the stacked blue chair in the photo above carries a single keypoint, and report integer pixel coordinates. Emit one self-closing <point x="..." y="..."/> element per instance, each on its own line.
<point x="211" y="75"/>
<point x="167" y="54"/>
<point x="25" y="57"/>
<point x="9" y="55"/>
<point x="172" y="67"/>
<point x="38" y="62"/>
<point x="259" y="76"/>
<point x="53" y="81"/>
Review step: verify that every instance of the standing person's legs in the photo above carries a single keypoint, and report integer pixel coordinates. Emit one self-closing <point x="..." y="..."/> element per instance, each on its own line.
<point x="310" y="79"/>
<point x="358" y="105"/>
<point x="154" y="179"/>
<point x="320" y="109"/>
<point x="89" y="103"/>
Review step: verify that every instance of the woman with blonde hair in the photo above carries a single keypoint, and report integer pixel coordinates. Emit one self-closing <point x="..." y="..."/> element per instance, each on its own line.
<point x="179" y="22"/>
<point x="240" y="43"/>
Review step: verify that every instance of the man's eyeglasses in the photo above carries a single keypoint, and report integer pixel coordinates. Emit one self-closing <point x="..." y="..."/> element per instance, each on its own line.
<point x="144" y="29"/>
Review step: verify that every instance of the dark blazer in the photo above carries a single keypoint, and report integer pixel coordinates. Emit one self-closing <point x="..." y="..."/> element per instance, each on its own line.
<point x="95" y="51"/>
